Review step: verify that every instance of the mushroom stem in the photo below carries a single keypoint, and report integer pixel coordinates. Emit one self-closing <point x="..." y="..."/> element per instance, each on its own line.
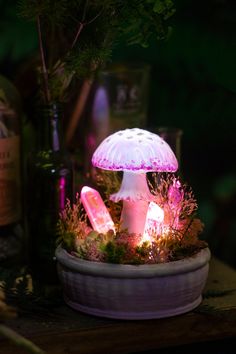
<point x="136" y="196"/>
<point x="133" y="216"/>
<point x="133" y="187"/>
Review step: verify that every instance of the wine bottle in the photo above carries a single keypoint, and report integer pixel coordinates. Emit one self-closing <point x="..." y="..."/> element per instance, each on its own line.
<point x="50" y="184"/>
<point x="11" y="225"/>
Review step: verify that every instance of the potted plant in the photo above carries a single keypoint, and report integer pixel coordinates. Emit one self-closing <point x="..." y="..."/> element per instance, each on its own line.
<point x="146" y="261"/>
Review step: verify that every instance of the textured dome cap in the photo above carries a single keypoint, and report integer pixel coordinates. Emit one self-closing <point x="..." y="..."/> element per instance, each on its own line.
<point x="135" y="150"/>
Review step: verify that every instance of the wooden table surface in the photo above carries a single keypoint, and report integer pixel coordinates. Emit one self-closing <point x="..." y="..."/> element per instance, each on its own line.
<point x="65" y="331"/>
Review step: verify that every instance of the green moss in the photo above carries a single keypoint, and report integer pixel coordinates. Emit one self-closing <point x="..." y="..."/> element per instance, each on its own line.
<point x="114" y="253"/>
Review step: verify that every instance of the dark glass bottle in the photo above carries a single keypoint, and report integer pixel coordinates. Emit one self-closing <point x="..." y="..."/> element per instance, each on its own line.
<point x="11" y="224"/>
<point x="50" y="183"/>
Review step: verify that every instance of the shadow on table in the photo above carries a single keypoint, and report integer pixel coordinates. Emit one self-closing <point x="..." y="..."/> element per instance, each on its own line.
<point x="226" y="346"/>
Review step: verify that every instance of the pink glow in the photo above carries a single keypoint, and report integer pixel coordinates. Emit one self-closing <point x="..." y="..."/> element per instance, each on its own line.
<point x="90" y="142"/>
<point x="100" y="114"/>
<point x="175" y="194"/>
<point x="154" y="221"/>
<point x="62" y="192"/>
<point x="135" y="150"/>
<point x="96" y="210"/>
<point x="175" y="197"/>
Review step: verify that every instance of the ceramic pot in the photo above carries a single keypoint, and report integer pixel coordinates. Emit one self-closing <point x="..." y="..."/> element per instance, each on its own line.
<point x="133" y="292"/>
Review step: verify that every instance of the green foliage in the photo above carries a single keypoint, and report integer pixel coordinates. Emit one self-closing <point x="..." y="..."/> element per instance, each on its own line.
<point x="88" y="30"/>
<point x="72" y="225"/>
<point x="114" y="253"/>
<point x="164" y="8"/>
<point x="78" y="62"/>
<point x="143" y="20"/>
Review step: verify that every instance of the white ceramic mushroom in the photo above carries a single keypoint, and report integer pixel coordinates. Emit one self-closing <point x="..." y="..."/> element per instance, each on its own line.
<point x="135" y="152"/>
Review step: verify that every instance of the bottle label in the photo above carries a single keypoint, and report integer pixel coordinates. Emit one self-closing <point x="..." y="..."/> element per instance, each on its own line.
<point x="10" y="206"/>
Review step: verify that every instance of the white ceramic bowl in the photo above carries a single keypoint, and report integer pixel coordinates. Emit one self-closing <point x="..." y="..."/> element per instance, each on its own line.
<point x="133" y="291"/>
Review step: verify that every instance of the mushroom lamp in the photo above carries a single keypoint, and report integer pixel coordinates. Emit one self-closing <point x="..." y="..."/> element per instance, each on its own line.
<point x="135" y="152"/>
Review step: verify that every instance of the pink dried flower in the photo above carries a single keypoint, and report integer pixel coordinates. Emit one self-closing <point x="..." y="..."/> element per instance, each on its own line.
<point x="94" y="253"/>
<point x="90" y="247"/>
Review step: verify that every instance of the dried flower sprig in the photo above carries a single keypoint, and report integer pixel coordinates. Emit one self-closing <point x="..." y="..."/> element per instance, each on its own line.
<point x="72" y="224"/>
<point x="161" y="184"/>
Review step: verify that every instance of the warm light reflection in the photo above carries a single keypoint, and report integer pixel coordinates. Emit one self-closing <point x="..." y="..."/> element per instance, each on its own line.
<point x="154" y="221"/>
<point x="96" y="210"/>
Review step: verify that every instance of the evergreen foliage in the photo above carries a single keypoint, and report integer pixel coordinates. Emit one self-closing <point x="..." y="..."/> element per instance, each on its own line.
<point x="76" y="37"/>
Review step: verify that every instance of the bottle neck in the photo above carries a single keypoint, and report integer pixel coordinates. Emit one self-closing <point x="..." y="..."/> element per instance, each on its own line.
<point x="50" y="137"/>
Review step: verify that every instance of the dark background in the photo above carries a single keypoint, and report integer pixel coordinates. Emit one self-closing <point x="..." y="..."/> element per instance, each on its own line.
<point x="193" y="87"/>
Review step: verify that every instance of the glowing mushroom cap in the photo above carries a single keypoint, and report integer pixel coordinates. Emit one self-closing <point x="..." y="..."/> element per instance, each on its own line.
<point x="135" y="150"/>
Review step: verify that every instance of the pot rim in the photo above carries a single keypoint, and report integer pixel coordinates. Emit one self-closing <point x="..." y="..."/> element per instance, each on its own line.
<point x="111" y="270"/>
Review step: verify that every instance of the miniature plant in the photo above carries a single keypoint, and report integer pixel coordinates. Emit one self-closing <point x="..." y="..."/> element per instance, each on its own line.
<point x="72" y="225"/>
<point x="176" y="238"/>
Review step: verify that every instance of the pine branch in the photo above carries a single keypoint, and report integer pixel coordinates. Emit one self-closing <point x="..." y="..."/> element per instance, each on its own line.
<point x="99" y="24"/>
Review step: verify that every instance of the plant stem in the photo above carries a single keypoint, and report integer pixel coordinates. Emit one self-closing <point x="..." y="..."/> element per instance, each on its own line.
<point x="94" y="18"/>
<point x="51" y="48"/>
<point x="80" y="104"/>
<point x="19" y="340"/>
<point x="47" y="95"/>
<point x="81" y="26"/>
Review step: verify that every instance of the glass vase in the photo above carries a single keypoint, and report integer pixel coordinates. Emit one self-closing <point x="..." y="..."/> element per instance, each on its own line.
<point x="50" y="184"/>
